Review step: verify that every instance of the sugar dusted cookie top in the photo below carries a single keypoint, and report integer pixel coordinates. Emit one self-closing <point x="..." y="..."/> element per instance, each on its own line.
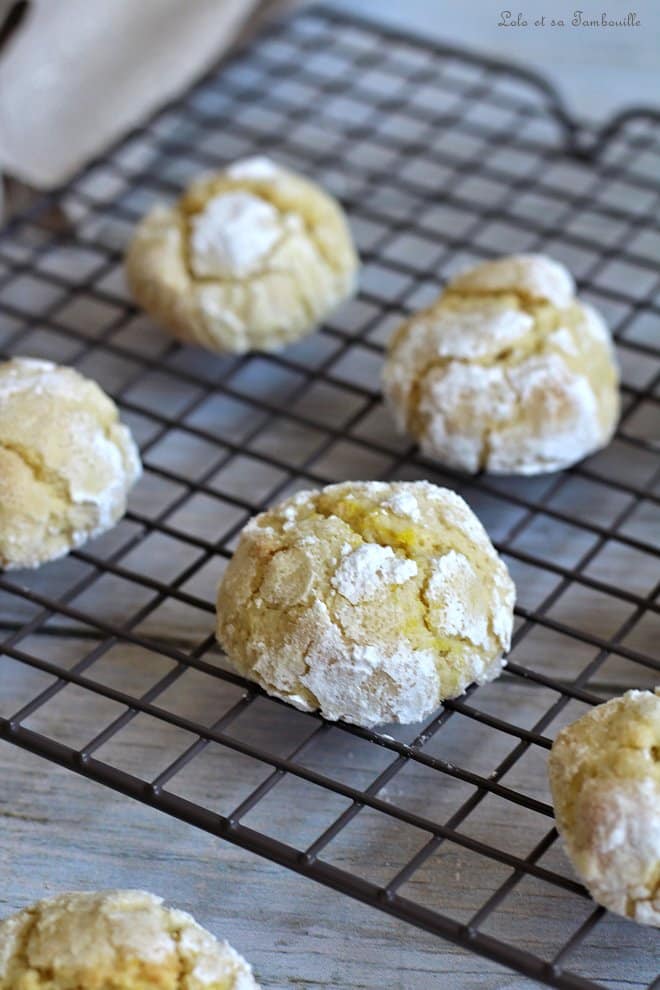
<point x="507" y="371"/>
<point x="605" y="779"/>
<point x="248" y="259"/>
<point x="114" y="940"/>
<point x="368" y="601"/>
<point x="66" y="462"/>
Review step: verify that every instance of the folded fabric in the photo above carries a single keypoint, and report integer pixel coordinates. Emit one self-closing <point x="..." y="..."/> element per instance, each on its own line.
<point x="76" y="76"/>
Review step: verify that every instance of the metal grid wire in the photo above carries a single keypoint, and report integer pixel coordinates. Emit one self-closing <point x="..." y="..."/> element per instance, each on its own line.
<point x="108" y="664"/>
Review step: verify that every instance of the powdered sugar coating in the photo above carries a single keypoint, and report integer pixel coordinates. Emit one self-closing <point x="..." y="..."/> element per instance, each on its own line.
<point x="366" y="572"/>
<point x="455" y="400"/>
<point x="368" y="601"/>
<point x="562" y="409"/>
<point x="454" y="595"/>
<point x="507" y="371"/>
<point x="404" y="503"/>
<point x="254" y="167"/>
<point x="395" y="682"/>
<point x="118" y="938"/>
<point x="66" y="462"/>
<point x="605" y="778"/>
<point x="232" y="235"/>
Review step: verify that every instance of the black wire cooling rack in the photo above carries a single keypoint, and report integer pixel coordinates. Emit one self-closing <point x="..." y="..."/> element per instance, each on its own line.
<point x="108" y="662"/>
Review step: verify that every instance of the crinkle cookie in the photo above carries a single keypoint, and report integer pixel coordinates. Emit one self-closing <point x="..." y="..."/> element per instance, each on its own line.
<point x="369" y="602"/>
<point x="114" y="940"/>
<point x="605" y="779"/>
<point x="66" y="462"/>
<point x="506" y="372"/>
<point x="248" y="259"/>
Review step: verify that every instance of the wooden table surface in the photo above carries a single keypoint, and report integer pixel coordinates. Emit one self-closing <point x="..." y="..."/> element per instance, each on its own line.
<point x="59" y="831"/>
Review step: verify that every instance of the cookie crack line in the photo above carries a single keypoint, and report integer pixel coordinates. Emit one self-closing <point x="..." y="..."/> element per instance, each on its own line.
<point x="486" y="449"/>
<point x="261" y="576"/>
<point x="520" y="349"/>
<point x="382" y="541"/>
<point x="56" y="482"/>
<point x="526" y="299"/>
<point x="183" y="970"/>
<point x="21" y="953"/>
<point x="107" y="431"/>
<point x="451" y="637"/>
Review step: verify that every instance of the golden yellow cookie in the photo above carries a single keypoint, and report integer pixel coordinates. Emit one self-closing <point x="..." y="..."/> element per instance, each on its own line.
<point x="605" y="779"/>
<point x="367" y="601"/>
<point x="66" y="462"/>
<point x="506" y="372"/>
<point x="114" y="940"/>
<point x="248" y="259"/>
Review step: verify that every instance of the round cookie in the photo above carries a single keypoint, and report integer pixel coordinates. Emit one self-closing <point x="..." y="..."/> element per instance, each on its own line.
<point x="248" y="259"/>
<point x="114" y="940"/>
<point x="506" y="372"/>
<point x="605" y="778"/>
<point x="367" y="601"/>
<point x="66" y="462"/>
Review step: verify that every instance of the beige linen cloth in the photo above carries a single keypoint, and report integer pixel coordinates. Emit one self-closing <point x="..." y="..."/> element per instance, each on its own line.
<point x="77" y="74"/>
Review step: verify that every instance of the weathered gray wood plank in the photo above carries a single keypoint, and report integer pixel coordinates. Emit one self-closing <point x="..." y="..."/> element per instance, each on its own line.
<point x="58" y="831"/>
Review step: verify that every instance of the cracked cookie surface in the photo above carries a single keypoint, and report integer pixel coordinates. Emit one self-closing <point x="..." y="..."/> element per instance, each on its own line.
<point x="114" y="940"/>
<point x="251" y="258"/>
<point x="370" y="602"/>
<point x="507" y="371"/>
<point x="66" y="462"/>
<point x="605" y="778"/>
